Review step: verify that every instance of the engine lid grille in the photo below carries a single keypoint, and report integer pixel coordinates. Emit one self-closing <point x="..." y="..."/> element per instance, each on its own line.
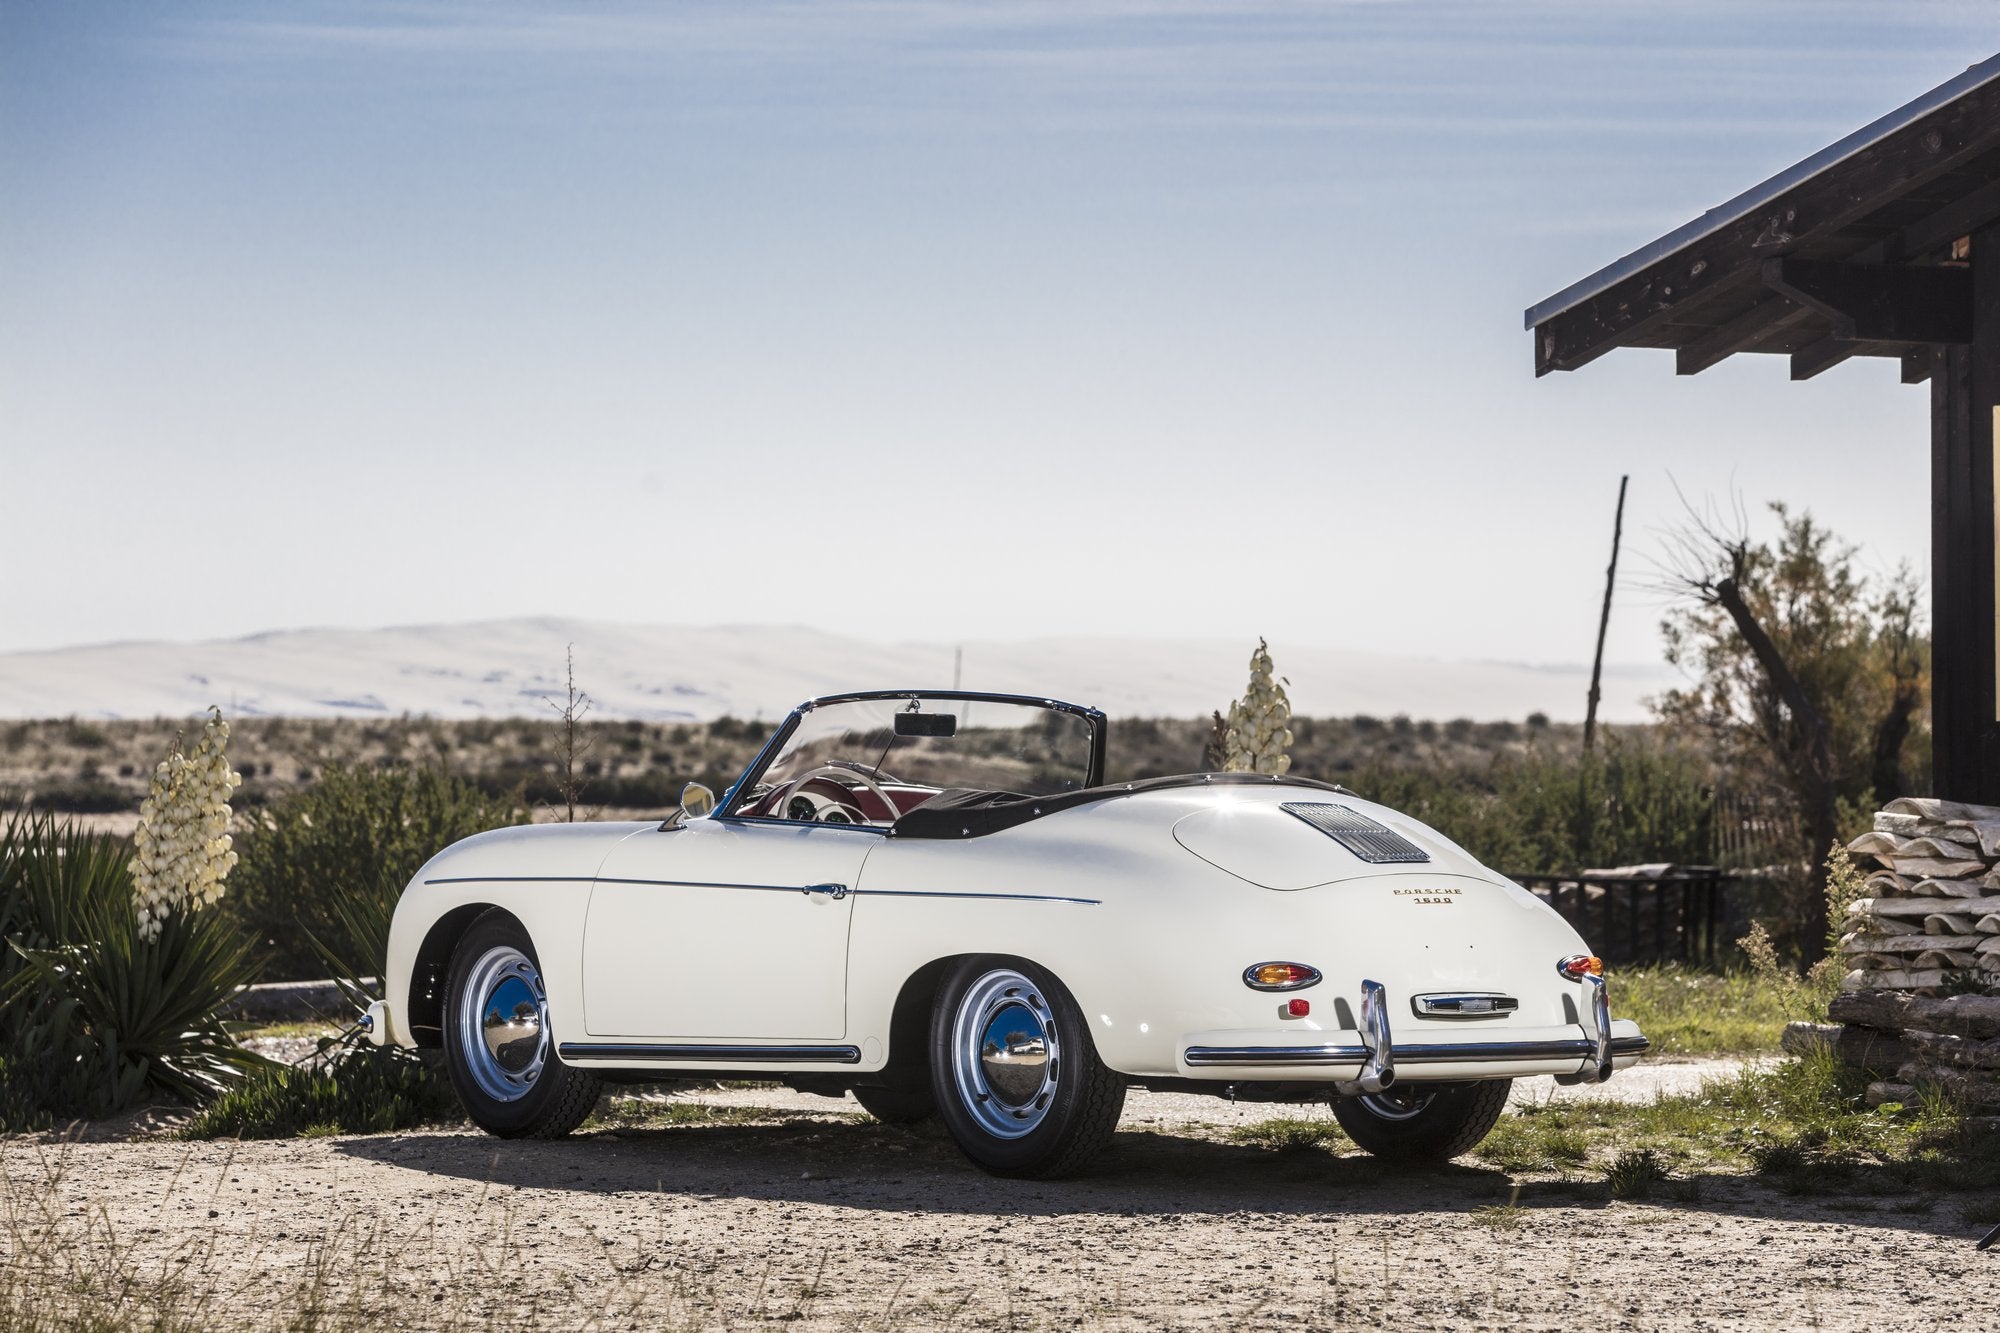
<point x="1374" y="843"/>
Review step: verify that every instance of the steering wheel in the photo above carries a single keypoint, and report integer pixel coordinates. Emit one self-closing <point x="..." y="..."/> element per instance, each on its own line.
<point x="837" y="774"/>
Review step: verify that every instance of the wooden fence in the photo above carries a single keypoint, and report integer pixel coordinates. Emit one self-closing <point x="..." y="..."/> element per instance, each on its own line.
<point x="1652" y="915"/>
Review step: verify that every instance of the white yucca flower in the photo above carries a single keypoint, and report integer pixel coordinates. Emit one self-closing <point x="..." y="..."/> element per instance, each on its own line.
<point x="1257" y="732"/>
<point x="182" y="848"/>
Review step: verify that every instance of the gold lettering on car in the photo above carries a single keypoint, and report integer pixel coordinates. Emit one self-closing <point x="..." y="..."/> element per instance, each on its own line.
<point x="1431" y="897"/>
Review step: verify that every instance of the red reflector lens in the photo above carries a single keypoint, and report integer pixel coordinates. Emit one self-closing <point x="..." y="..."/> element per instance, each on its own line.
<point x="1299" y="1008"/>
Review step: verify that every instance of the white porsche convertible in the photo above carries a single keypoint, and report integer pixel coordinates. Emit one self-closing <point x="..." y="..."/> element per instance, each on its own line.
<point x="932" y="899"/>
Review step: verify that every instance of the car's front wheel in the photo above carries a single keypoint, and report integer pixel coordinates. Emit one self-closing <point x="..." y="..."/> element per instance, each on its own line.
<point x="1016" y="1077"/>
<point x="497" y="1046"/>
<point x="1424" y="1122"/>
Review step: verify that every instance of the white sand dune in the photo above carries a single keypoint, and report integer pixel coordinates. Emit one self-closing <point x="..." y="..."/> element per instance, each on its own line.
<point x="672" y="672"/>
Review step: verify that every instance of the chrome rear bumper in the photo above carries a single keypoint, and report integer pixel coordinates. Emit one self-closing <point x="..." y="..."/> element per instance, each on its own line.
<point x="1377" y="1058"/>
<point x="1414" y="1052"/>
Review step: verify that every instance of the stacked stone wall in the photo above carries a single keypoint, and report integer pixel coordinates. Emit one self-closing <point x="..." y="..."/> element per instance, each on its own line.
<point x="1930" y="921"/>
<point x="1920" y="999"/>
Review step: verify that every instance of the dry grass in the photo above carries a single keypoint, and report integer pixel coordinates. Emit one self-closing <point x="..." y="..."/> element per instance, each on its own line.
<point x="677" y="1215"/>
<point x="74" y="1268"/>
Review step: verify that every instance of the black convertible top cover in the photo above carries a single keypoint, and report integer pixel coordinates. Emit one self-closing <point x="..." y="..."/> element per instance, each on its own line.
<point x="958" y="812"/>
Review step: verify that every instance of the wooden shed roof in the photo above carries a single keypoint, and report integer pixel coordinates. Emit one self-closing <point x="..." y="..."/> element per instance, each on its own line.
<point x="1846" y="253"/>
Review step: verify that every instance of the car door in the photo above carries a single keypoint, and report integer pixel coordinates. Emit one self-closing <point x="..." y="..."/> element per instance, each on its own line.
<point x="723" y="928"/>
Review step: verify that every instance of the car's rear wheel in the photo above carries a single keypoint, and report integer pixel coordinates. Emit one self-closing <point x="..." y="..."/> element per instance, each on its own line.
<point x="497" y="1046"/>
<point x="1016" y="1077"/>
<point x="1424" y="1122"/>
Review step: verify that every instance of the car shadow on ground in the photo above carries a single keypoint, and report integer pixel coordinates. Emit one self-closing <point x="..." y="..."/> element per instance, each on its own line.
<point x="846" y="1162"/>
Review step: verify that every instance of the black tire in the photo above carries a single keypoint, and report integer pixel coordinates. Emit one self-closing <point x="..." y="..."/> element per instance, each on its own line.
<point x="1430" y="1122"/>
<point x="549" y="1102"/>
<point x="903" y="1103"/>
<point x="1052" y="1128"/>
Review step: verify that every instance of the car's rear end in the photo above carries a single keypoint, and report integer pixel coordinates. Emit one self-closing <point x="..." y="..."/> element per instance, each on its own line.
<point x="1384" y="954"/>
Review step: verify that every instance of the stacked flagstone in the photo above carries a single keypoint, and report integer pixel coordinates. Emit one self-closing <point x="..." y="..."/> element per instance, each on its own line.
<point x="1930" y="924"/>
<point x="1932" y="915"/>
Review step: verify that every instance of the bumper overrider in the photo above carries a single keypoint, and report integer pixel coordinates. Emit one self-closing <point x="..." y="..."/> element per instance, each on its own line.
<point x="1587" y="1052"/>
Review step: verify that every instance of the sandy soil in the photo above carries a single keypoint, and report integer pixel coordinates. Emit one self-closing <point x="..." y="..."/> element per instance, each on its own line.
<point x="821" y="1219"/>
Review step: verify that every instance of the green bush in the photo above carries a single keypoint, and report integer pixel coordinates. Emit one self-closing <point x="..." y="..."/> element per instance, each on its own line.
<point x="362" y="1090"/>
<point x="94" y="1019"/>
<point x="1632" y="802"/>
<point x="320" y="871"/>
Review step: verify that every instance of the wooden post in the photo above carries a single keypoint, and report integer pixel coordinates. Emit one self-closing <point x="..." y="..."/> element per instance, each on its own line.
<point x="1965" y="393"/>
<point x="1604" y="620"/>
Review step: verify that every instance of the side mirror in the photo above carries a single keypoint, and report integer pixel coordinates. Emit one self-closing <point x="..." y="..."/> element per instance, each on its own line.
<point x="696" y="800"/>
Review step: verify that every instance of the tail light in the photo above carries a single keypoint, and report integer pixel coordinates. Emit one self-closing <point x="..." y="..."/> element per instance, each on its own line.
<point x="1578" y="966"/>
<point x="1280" y="976"/>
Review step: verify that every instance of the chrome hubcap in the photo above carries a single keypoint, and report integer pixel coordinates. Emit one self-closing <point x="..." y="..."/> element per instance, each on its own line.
<point x="503" y="1023"/>
<point x="1005" y="1054"/>
<point x="1397" y="1103"/>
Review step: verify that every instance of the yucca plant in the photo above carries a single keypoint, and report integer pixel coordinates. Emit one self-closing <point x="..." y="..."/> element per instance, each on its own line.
<point x="93" y="1016"/>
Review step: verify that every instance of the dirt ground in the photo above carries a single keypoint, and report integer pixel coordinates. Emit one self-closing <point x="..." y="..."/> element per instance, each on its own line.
<point x="819" y="1218"/>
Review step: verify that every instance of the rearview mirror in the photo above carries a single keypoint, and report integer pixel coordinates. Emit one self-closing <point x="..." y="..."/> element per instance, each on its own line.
<point x="696" y="800"/>
<point x="926" y="724"/>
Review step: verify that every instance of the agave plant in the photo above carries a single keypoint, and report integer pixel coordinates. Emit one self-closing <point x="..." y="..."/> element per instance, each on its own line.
<point x="94" y="1017"/>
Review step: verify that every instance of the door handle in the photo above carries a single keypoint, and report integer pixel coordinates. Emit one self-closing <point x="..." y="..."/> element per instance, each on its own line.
<point x="833" y="891"/>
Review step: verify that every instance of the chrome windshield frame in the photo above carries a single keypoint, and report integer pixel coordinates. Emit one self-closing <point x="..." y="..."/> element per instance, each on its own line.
<point x="1094" y="777"/>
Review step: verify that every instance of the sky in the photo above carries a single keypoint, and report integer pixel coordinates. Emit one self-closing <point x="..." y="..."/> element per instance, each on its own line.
<point x="904" y="321"/>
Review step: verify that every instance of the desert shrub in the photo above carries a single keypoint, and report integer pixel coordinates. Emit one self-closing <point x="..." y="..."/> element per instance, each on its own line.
<point x="362" y="1089"/>
<point x="1633" y="1173"/>
<point x="94" y="1019"/>
<point x="321" y="870"/>
<point x="84" y="796"/>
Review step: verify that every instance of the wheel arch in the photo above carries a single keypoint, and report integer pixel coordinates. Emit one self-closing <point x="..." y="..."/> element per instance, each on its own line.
<point x="910" y="1016"/>
<point x="433" y="964"/>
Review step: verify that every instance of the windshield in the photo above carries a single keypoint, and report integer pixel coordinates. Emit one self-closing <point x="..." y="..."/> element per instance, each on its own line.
<point x="870" y="761"/>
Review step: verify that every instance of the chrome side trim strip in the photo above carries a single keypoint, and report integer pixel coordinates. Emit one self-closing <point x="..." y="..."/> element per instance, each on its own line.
<point x="746" y="1055"/>
<point x="759" y="888"/>
<point x="1008" y="897"/>
<point x="1412" y="1053"/>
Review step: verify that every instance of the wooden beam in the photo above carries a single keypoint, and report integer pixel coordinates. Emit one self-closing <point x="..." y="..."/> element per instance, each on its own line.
<point x="1773" y="314"/>
<point x="1823" y="355"/>
<point x="1965" y="387"/>
<point x="1816" y="208"/>
<point x="1961" y="217"/>
<point x="1880" y="302"/>
<point x="1777" y="313"/>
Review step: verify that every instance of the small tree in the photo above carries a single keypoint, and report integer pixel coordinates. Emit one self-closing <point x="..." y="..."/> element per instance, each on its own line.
<point x="572" y="743"/>
<point x="1808" y="672"/>
<point x="1258" y="736"/>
